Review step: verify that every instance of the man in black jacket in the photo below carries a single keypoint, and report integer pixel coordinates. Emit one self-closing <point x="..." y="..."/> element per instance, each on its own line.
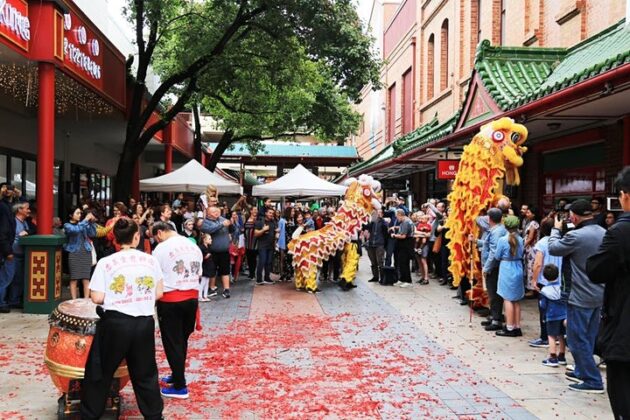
<point x="611" y="266"/>
<point x="376" y="237"/>
<point x="7" y="237"/>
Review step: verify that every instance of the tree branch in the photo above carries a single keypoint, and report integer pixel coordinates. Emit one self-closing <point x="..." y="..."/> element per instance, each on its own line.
<point x="139" y="25"/>
<point x="240" y="20"/>
<point x="168" y="116"/>
<point x="235" y="109"/>
<point x="197" y="135"/>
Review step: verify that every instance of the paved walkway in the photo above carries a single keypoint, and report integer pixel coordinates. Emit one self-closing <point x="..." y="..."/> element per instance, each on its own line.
<point x="374" y="352"/>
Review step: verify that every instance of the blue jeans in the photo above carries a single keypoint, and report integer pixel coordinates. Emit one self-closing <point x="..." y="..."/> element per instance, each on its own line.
<point x="16" y="288"/>
<point x="582" y="327"/>
<point x="7" y="271"/>
<point x="265" y="262"/>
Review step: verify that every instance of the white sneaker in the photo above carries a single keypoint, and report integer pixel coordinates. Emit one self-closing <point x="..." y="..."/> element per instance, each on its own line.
<point x="398" y="283"/>
<point x="404" y="285"/>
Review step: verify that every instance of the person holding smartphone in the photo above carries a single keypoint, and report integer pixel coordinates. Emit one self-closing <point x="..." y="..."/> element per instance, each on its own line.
<point x="585" y="297"/>
<point x="610" y="266"/>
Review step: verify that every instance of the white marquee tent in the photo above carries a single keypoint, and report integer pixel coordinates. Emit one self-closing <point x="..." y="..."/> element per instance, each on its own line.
<point x="299" y="182"/>
<point x="192" y="177"/>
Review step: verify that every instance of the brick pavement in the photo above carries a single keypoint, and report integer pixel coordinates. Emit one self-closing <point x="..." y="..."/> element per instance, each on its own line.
<point x="374" y="352"/>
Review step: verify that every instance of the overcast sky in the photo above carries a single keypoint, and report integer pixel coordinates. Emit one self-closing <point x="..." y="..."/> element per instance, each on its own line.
<point x="364" y="7"/>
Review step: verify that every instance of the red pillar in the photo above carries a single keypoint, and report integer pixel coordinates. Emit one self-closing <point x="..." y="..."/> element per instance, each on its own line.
<point x="135" y="181"/>
<point x="626" y="140"/>
<point x="45" y="148"/>
<point x="168" y="149"/>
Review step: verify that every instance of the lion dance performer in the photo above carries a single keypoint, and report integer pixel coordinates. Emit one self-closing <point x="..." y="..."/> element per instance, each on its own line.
<point x="493" y="155"/>
<point x="312" y="249"/>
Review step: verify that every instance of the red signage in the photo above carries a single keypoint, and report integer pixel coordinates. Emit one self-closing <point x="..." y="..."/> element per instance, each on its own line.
<point x="447" y="169"/>
<point x="82" y="50"/>
<point x="14" y="23"/>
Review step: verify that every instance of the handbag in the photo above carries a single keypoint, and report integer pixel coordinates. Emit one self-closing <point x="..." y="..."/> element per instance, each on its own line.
<point x="437" y="245"/>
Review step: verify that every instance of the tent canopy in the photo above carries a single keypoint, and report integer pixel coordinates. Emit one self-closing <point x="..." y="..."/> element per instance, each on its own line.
<point x="299" y="182"/>
<point x="192" y="177"/>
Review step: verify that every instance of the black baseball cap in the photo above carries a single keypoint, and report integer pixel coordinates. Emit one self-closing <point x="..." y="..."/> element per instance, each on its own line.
<point x="581" y="207"/>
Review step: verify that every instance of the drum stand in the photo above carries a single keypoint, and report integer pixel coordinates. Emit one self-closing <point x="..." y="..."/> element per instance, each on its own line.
<point x="69" y="404"/>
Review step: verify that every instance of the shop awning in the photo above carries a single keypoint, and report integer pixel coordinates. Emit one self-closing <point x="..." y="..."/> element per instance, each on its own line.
<point x="299" y="182"/>
<point x="192" y="177"/>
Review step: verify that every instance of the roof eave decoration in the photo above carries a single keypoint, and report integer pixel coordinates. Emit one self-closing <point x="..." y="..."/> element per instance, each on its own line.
<point x="425" y="135"/>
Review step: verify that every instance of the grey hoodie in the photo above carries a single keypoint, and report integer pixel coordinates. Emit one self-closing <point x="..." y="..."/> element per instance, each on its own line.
<point x="578" y="245"/>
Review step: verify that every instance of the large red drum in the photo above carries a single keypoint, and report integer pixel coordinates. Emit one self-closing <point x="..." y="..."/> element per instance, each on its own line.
<point x="72" y="328"/>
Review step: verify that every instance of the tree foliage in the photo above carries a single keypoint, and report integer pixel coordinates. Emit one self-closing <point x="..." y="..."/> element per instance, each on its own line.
<point x="263" y="68"/>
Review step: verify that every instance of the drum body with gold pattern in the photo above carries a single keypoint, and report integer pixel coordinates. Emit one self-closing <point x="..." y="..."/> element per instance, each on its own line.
<point x="72" y="328"/>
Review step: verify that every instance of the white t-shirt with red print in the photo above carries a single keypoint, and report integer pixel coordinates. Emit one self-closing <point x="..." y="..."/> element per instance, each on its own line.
<point x="180" y="260"/>
<point x="129" y="279"/>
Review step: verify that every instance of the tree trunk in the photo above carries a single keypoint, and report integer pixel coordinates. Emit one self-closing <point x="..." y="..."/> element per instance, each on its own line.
<point x="222" y="146"/>
<point x="197" y="135"/>
<point x="124" y="173"/>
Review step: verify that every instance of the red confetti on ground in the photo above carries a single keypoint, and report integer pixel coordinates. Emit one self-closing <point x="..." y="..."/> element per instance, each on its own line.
<point x="282" y="367"/>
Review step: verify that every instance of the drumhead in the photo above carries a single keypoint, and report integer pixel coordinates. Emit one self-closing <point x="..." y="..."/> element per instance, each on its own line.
<point x="77" y="315"/>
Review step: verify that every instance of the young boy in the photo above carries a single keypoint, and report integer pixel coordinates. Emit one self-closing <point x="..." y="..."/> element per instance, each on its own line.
<point x="556" y="313"/>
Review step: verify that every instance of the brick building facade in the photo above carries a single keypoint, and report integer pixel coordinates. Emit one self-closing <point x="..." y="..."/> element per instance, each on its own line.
<point x="432" y="72"/>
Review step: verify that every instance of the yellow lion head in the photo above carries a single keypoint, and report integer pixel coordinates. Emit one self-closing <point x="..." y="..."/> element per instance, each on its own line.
<point x="503" y="138"/>
<point x="364" y="192"/>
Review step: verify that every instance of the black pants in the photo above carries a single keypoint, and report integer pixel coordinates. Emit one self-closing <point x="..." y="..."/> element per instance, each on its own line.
<point x="119" y="336"/>
<point x="444" y="266"/>
<point x="377" y="256"/>
<point x="542" y="319"/>
<point x="390" y="250"/>
<point x="618" y="384"/>
<point x="496" y="301"/>
<point x="404" y="261"/>
<point x="336" y="266"/>
<point x="251" y="255"/>
<point x="177" y="322"/>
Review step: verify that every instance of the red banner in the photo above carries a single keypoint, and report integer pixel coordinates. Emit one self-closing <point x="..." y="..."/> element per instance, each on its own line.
<point x="447" y="169"/>
<point x="82" y="50"/>
<point x="14" y="22"/>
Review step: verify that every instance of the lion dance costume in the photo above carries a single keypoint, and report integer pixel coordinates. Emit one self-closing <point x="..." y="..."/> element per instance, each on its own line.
<point x="494" y="154"/>
<point x="312" y="249"/>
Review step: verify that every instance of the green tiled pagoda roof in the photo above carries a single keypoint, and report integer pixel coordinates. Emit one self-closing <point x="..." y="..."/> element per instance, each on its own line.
<point x="422" y="136"/>
<point x="511" y="73"/>
<point x="596" y="55"/>
<point x="425" y="135"/>
<point x="514" y="76"/>
<point x="386" y="153"/>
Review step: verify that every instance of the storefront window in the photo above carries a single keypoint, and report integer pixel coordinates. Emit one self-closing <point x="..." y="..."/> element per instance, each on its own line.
<point x="3" y="168"/>
<point x="572" y="185"/>
<point x="16" y="172"/>
<point x="574" y="173"/>
<point x="30" y="178"/>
